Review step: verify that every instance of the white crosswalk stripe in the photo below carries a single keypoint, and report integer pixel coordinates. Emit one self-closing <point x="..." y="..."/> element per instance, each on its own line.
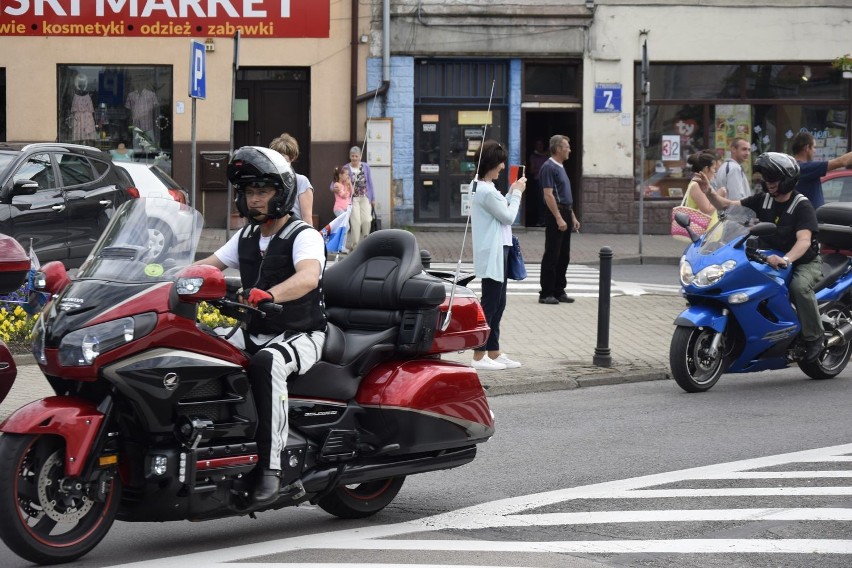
<point x="662" y="505"/>
<point x="583" y="282"/>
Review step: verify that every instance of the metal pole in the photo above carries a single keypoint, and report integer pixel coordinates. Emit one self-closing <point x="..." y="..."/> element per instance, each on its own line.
<point x="602" y="356"/>
<point x="234" y="68"/>
<point x="192" y="150"/>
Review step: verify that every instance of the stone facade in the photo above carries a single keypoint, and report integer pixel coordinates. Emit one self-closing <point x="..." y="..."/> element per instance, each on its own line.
<point x="610" y="205"/>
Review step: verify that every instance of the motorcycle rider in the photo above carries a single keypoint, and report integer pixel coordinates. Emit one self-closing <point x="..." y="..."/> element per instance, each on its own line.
<point x="281" y="259"/>
<point x="797" y="227"/>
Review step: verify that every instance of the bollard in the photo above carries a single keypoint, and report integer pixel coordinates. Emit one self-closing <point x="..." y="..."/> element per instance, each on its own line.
<point x="602" y="356"/>
<point x="425" y="259"/>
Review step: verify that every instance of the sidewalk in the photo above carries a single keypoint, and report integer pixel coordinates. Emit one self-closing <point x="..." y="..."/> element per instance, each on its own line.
<point x="556" y="344"/>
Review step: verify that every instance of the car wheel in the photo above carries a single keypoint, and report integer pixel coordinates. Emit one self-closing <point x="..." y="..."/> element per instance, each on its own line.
<point x="159" y="240"/>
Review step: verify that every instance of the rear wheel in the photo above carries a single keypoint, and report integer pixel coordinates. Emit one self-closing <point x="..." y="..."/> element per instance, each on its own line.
<point x="831" y="361"/>
<point x="692" y="365"/>
<point x="361" y="500"/>
<point x="45" y="516"/>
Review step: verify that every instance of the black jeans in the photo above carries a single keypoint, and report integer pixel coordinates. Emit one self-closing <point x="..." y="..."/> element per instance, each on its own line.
<point x="557" y="254"/>
<point x="493" y="302"/>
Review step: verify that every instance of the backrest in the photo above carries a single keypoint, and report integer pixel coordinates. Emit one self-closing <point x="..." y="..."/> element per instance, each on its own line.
<point x="364" y="290"/>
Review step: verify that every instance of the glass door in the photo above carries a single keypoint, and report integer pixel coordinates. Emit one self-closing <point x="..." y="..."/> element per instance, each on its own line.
<point x="445" y="161"/>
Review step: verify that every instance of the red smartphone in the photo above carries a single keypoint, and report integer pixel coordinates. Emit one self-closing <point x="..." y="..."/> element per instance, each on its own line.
<point x="513" y="174"/>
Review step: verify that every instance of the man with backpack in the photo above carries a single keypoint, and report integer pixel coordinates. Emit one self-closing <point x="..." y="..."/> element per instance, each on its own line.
<point x="731" y="175"/>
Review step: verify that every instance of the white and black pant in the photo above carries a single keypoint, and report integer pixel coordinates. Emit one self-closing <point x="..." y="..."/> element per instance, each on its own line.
<point x="274" y="359"/>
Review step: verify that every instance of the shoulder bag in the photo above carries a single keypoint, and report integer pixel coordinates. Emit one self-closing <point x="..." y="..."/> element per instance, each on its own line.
<point x="698" y="221"/>
<point x="516" y="269"/>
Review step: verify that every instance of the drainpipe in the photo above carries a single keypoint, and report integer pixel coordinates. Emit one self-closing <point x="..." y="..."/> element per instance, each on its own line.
<point x="383" y="88"/>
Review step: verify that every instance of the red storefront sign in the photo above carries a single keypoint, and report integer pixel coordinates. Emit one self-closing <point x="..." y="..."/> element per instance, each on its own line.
<point x="166" y="18"/>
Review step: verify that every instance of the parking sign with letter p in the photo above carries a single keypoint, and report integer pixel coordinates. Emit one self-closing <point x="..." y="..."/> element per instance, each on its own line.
<point x="197" y="70"/>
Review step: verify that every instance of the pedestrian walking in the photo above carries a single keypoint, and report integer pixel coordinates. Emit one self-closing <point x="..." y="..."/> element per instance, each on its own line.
<point x="303" y="206"/>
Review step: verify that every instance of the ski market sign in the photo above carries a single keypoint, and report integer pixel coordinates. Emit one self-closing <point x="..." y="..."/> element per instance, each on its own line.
<point x="166" y="18"/>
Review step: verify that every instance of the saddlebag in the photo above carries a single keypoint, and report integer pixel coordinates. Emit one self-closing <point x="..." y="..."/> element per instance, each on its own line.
<point x="835" y="228"/>
<point x="14" y="264"/>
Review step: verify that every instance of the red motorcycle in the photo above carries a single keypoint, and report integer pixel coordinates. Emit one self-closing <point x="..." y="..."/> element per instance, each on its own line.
<point x="154" y="418"/>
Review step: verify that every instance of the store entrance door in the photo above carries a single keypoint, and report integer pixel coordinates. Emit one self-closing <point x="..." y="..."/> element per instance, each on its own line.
<point x="539" y="126"/>
<point x="275" y="106"/>
<point x="446" y="140"/>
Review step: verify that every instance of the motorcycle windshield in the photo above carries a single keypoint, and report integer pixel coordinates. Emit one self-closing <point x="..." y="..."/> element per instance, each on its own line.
<point x="124" y="253"/>
<point x="733" y="224"/>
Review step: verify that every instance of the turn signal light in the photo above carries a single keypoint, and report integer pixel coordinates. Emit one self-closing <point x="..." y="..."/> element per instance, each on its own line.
<point x="105" y="461"/>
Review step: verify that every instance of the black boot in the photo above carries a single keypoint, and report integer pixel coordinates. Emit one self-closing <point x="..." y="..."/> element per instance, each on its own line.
<point x="812" y="350"/>
<point x="266" y="487"/>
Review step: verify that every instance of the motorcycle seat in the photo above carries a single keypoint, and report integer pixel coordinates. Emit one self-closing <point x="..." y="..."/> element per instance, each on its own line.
<point x="833" y="267"/>
<point x="371" y="289"/>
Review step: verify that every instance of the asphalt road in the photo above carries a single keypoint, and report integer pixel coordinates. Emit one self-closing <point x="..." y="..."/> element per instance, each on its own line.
<point x="570" y="441"/>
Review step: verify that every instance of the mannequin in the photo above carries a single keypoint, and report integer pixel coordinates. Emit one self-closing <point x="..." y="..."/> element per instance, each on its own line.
<point x="144" y="108"/>
<point x="82" y="112"/>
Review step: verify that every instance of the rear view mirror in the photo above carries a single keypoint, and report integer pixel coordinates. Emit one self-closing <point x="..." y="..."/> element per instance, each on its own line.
<point x="24" y="187"/>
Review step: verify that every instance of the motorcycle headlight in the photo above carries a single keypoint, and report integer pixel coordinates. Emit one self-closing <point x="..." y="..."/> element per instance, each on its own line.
<point x="686" y="274"/>
<point x="713" y="273"/>
<point x="82" y="347"/>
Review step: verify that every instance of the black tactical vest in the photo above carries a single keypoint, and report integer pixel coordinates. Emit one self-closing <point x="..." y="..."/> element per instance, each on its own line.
<point x="265" y="271"/>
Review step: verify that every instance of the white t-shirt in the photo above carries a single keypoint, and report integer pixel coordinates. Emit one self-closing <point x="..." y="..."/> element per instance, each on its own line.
<point x="308" y="245"/>
<point x="303" y="184"/>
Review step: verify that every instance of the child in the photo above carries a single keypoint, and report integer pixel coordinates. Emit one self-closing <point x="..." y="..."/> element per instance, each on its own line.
<point x="342" y="188"/>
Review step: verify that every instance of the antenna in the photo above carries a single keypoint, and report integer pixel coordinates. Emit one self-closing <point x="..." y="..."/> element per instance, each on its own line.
<point x="449" y="316"/>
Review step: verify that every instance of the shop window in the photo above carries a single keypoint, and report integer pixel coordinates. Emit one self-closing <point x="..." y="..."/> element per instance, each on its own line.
<point x="689" y="82"/>
<point x="794" y="82"/>
<point x="116" y="108"/>
<point x="551" y="79"/>
<point x="2" y="103"/>
<point x="713" y="108"/>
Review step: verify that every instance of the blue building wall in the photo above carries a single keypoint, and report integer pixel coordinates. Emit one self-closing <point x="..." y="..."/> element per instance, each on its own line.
<point x="400" y="107"/>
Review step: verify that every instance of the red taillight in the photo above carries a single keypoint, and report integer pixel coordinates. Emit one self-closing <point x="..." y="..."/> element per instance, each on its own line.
<point x="133" y="192"/>
<point x="480" y="316"/>
<point x="178" y="195"/>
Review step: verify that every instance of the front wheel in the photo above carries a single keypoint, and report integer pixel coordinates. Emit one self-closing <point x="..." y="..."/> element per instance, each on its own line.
<point x="45" y="516"/>
<point x="361" y="500"/>
<point x="694" y="369"/>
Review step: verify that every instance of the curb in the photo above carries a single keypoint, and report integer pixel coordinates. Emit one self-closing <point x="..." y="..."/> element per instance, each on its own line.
<point x="542" y="383"/>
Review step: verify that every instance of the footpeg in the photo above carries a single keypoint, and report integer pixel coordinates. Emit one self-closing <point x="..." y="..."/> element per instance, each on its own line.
<point x="293" y="491"/>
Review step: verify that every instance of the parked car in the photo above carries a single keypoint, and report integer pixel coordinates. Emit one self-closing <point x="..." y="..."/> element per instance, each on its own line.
<point x="837" y="185"/>
<point x="153" y="183"/>
<point x="59" y="195"/>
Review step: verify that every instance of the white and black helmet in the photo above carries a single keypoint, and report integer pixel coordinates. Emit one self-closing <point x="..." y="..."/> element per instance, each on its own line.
<point x="255" y="165"/>
<point x="775" y="166"/>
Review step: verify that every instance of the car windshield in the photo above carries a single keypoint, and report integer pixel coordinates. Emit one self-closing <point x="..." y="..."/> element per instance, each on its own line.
<point x="733" y="224"/>
<point x="5" y="160"/>
<point x="123" y="254"/>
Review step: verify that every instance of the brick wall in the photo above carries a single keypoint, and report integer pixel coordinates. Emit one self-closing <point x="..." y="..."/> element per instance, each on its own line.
<point x="609" y="205"/>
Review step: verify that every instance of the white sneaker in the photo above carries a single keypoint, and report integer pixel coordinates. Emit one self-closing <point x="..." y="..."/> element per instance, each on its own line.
<point x="510" y="364"/>
<point x="486" y="364"/>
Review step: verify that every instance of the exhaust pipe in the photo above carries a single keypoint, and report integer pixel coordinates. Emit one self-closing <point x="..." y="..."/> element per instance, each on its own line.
<point x="841" y="335"/>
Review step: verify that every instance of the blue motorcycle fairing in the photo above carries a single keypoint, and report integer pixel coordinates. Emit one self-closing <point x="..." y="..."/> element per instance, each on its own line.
<point x="703" y="316"/>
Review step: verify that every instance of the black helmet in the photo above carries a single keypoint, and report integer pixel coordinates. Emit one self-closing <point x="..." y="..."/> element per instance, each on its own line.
<point x="258" y="165"/>
<point x="775" y="166"/>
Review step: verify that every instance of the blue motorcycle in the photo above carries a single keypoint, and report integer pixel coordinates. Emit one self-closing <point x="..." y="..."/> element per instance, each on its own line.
<point x="740" y="319"/>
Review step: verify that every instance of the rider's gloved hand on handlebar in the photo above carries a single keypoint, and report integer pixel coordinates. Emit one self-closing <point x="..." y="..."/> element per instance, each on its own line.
<point x="255" y="296"/>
